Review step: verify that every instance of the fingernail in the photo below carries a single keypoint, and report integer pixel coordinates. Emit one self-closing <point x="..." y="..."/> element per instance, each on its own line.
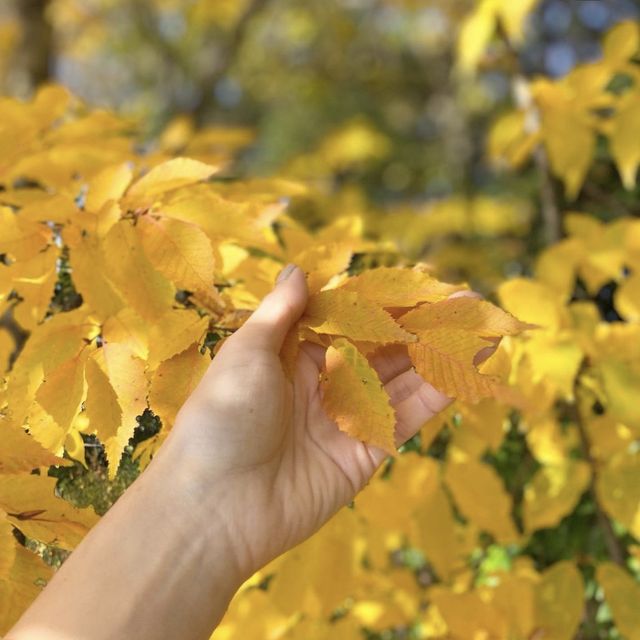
<point x="285" y="273"/>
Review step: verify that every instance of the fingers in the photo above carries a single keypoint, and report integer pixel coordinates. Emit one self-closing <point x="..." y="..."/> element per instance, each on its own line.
<point x="280" y="309"/>
<point x="414" y="401"/>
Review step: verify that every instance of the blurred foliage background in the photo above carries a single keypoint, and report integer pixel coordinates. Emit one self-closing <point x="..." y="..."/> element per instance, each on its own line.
<point x="369" y="98"/>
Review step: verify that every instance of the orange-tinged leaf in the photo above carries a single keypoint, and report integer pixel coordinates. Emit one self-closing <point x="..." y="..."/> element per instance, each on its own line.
<point x="444" y="358"/>
<point x="179" y="250"/>
<point x="32" y="506"/>
<point x="466" y="314"/>
<point x="169" y="175"/>
<point x="345" y="313"/>
<point x="622" y="594"/>
<point x="354" y="397"/>
<point x="397" y="287"/>
<point x="174" y="380"/>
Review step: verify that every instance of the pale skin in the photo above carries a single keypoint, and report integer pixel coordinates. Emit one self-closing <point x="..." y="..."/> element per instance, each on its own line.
<point x="252" y="467"/>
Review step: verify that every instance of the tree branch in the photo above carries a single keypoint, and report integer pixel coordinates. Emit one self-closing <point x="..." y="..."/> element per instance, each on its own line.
<point x="615" y="548"/>
<point x="232" y="46"/>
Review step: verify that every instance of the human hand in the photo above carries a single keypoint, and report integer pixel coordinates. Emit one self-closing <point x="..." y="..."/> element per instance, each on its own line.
<point x="262" y="453"/>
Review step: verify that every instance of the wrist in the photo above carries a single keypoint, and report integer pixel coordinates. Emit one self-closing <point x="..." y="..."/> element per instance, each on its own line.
<point x="212" y="503"/>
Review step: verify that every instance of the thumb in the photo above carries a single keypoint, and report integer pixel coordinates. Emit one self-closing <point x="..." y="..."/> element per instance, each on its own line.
<point x="280" y="309"/>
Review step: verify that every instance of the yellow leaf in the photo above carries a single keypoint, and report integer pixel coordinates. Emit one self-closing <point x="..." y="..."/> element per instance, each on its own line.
<point x="435" y="523"/>
<point x="559" y="602"/>
<point x="22" y="239"/>
<point x="345" y="313"/>
<point x="174" y="380"/>
<point x="101" y="406"/>
<point x="618" y="489"/>
<point x="625" y="130"/>
<point x="57" y="208"/>
<point x="397" y="287"/>
<point x="622" y="594"/>
<point x="167" y="176"/>
<point x="469" y="615"/>
<point x="8" y="545"/>
<point x="179" y="250"/>
<point x="34" y="280"/>
<point x="531" y="302"/>
<point x="44" y="429"/>
<point x="355" y="398"/>
<point x="19" y="588"/>
<point x="126" y="373"/>
<point x="444" y="358"/>
<point x="177" y="330"/>
<point x="621" y="42"/>
<point x="509" y="143"/>
<point x="301" y="582"/>
<point x="21" y="452"/>
<point x="479" y="493"/>
<point x="128" y="328"/>
<point x="320" y="263"/>
<point x="108" y="184"/>
<point x="513" y="15"/>
<point x="627" y="297"/>
<point x="475" y="34"/>
<point x="7" y="347"/>
<point x="465" y="314"/>
<point x="33" y="508"/>
<point x="553" y="493"/>
<point x="89" y="272"/>
<point x="147" y="291"/>
<point x="62" y="390"/>
<point x="570" y="157"/>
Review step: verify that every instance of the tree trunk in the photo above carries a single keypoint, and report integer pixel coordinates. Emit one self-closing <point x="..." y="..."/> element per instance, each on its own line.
<point x="36" y="52"/>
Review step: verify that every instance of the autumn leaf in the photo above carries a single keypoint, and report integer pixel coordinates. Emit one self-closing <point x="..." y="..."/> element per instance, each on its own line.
<point x="398" y="287"/>
<point x="32" y="507"/>
<point x="179" y="250"/>
<point x="345" y="313"/>
<point x="354" y="397"/>
<point x="174" y="380"/>
<point x="167" y="176"/>
<point x="622" y="593"/>
<point x="478" y="317"/>
<point x="444" y="358"/>
<point x="21" y="452"/>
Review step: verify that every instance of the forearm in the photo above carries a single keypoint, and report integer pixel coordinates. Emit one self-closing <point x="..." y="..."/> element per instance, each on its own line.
<point x="149" y="569"/>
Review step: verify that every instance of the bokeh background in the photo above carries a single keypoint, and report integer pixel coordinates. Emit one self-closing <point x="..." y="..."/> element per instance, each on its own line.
<point x="368" y="97"/>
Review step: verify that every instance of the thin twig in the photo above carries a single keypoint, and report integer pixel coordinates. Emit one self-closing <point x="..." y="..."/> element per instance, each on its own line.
<point x="615" y="548"/>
